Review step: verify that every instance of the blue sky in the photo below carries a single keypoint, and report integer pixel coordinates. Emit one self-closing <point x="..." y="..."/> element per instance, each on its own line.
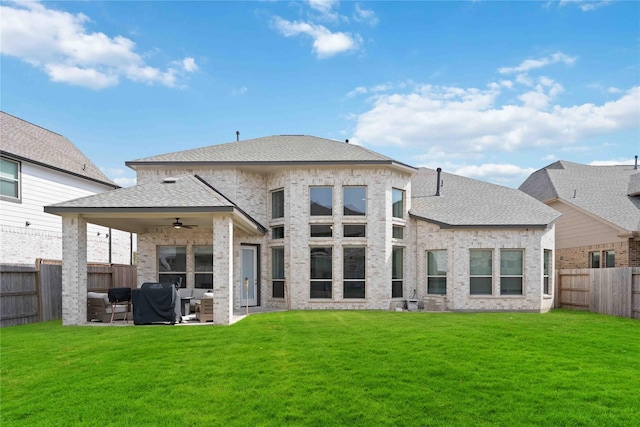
<point x="488" y="90"/>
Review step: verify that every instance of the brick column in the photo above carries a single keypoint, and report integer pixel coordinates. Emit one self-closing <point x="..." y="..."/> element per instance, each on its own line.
<point x="223" y="270"/>
<point x="74" y="270"/>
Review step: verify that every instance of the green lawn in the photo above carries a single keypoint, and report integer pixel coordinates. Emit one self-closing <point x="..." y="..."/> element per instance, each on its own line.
<point x="323" y="368"/>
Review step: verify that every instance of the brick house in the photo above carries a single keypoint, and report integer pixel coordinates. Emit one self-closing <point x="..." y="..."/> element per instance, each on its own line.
<point x="38" y="168"/>
<point x="313" y="223"/>
<point x="600" y="206"/>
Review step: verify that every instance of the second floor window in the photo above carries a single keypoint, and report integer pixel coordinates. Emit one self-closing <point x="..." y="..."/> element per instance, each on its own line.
<point x="397" y="203"/>
<point x="321" y="201"/>
<point x="355" y="200"/>
<point x="9" y="179"/>
<point x="277" y="204"/>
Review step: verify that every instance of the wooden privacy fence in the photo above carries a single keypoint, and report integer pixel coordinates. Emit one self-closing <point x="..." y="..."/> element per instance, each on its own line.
<point x="30" y="294"/>
<point x="613" y="291"/>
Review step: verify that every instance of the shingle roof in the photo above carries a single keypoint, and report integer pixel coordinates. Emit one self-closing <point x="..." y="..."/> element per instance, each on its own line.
<point x="604" y="191"/>
<point x="278" y="149"/>
<point x="184" y="191"/>
<point x="28" y="142"/>
<point x="466" y="202"/>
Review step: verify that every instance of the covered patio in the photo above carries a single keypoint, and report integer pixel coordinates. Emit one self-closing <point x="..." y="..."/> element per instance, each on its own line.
<point x="177" y="211"/>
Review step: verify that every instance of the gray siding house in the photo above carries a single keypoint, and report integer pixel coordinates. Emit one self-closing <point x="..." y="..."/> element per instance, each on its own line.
<point x="300" y="222"/>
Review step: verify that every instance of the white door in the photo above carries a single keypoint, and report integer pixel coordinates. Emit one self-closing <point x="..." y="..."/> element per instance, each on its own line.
<point x="249" y="276"/>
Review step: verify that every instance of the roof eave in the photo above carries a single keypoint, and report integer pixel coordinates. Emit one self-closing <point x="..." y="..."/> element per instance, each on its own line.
<point x="444" y="225"/>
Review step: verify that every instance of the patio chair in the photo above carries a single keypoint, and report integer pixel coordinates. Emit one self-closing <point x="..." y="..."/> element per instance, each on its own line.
<point x="204" y="309"/>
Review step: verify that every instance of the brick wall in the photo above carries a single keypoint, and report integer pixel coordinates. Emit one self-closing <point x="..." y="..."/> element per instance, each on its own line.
<point x="579" y="257"/>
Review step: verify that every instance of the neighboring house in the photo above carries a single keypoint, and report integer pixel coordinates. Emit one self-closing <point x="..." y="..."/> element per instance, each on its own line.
<point x="302" y="222"/>
<point x="38" y="168"/>
<point x="600" y="206"/>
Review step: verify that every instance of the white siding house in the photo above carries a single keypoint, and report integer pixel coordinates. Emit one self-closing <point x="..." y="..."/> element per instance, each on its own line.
<point x="39" y="168"/>
<point x="312" y="223"/>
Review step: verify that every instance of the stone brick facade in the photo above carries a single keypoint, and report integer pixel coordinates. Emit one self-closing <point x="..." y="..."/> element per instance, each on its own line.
<point x="627" y="254"/>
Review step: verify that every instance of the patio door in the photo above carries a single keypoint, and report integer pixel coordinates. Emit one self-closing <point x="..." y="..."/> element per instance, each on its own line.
<point x="249" y="273"/>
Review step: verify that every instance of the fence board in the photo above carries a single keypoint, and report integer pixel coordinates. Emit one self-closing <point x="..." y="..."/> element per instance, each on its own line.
<point x="50" y="291"/>
<point x="19" y="302"/>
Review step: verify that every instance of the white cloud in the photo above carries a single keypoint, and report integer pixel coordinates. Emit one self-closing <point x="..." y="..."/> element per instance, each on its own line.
<point x="322" y="6"/>
<point x="325" y="43"/>
<point x="500" y="173"/>
<point x="531" y="64"/>
<point x="364" y="15"/>
<point x="125" y="182"/>
<point x="59" y="43"/>
<point x="241" y="91"/>
<point x="614" y="162"/>
<point x="586" y="5"/>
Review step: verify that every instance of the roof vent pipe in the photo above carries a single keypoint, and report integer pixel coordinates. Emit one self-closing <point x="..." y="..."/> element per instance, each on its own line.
<point x="636" y="166"/>
<point x="438" y="183"/>
<point x="347" y="141"/>
<point x="237" y="136"/>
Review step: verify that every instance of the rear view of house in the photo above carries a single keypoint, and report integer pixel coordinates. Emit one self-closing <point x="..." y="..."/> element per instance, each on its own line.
<point x="600" y="206"/>
<point x="301" y="222"/>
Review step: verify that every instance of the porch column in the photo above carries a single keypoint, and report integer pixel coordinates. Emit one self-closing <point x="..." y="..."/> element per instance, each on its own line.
<point x="74" y="270"/>
<point x="223" y="270"/>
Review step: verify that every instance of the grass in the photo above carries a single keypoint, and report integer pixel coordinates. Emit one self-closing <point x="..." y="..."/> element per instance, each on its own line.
<point x="321" y="368"/>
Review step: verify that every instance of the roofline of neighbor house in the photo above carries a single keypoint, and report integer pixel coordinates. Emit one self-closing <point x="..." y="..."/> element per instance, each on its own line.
<point x="25" y="159"/>
<point x="445" y="225"/>
<point x="590" y="214"/>
<point x="270" y="163"/>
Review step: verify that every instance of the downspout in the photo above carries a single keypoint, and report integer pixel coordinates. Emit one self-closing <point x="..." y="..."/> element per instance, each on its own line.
<point x="110" y="245"/>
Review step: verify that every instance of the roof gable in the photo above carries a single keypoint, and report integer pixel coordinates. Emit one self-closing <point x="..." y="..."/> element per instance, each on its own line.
<point x="28" y="142"/>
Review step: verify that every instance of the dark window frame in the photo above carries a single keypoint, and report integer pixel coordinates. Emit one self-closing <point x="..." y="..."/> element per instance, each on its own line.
<point x="277" y="204"/>
<point x="317" y="208"/>
<point x="431" y="290"/>
<point x="344" y="200"/>
<point x="321" y="279"/>
<point x="277" y="272"/>
<point x="354" y="272"/>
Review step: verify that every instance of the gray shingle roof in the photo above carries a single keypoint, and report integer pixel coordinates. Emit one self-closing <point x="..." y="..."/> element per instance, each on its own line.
<point x="466" y="202"/>
<point x="278" y="149"/>
<point x="603" y="191"/>
<point x="26" y="141"/>
<point x="185" y="192"/>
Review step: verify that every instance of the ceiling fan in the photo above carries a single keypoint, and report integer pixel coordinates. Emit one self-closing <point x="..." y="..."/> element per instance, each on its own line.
<point x="177" y="224"/>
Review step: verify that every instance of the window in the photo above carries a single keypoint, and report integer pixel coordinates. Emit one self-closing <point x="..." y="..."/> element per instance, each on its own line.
<point x="277" y="232"/>
<point x="321" y="230"/>
<point x="594" y="259"/>
<point x="9" y="179"/>
<point x="354" y="230"/>
<point x="355" y="200"/>
<point x="321" y="273"/>
<point x="203" y="266"/>
<point x="398" y="203"/>
<point x="547" y="272"/>
<point x="321" y="201"/>
<point x="511" y="271"/>
<point x="397" y="272"/>
<point x="172" y="265"/>
<point x="277" y="204"/>
<point x="397" y="232"/>
<point x="354" y="273"/>
<point x="277" y="272"/>
<point x="609" y="259"/>
<point x="481" y="271"/>
<point x="437" y="272"/>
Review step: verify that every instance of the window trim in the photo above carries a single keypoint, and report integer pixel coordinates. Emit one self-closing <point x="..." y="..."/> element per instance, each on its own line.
<point x="397" y="280"/>
<point x="402" y="199"/>
<point x="437" y="275"/>
<point x="344" y="234"/>
<point x="18" y="181"/>
<point x="323" y="279"/>
<point x="273" y="237"/>
<point x="481" y="275"/>
<point x="591" y="259"/>
<point x="547" y="271"/>
<point x="362" y="279"/>
<point x="344" y="206"/>
<point x="507" y="276"/>
<point x="273" y="193"/>
<point x="311" y="188"/>
<point x="605" y="258"/>
<point x="180" y="273"/>
<point x="277" y="280"/>
<point x="312" y="225"/>
<point x="196" y="273"/>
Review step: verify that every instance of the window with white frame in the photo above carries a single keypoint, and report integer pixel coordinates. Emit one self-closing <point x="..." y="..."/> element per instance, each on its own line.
<point x="172" y="265"/>
<point x="203" y="267"/>
<point x="437" y="272"/>
<point x="9" y="179"/>
<point x="480" y="271"/>
<point x="511" y="271"/>
<point x="354" y="200"/>
<point x="354" y="278"/>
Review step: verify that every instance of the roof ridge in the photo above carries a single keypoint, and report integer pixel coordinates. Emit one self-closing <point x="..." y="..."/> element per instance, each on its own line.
<point x="32" y="124"/>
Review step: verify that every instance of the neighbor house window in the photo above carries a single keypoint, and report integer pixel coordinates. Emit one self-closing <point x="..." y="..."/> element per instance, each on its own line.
<point x="172" y="265"/>
<point x="480" y="271"/>
<point x="437" y="272"/>
<point x="321" y="272"/>
<point x="354" y="272"/>
<point x="609" y="259"/>
<point x="354" y="230"/>
<point x="321" y="230"/>
<point x="321" y="201"/>
<point x="397" y="232"/>
<point x="397" y="203"/>
<point x="397" y="272"/>
<point x="355" y="200"/>
<point x="594" y="259"/>
<point x="511" y="262"/>
<point x="277" y="232"/>
<point x="203" y="266"/>
<point x="277" y="204"/>
<point x="9" y="179"/>
<point x="548" y="269"/>
<point x="277" y="272"/>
